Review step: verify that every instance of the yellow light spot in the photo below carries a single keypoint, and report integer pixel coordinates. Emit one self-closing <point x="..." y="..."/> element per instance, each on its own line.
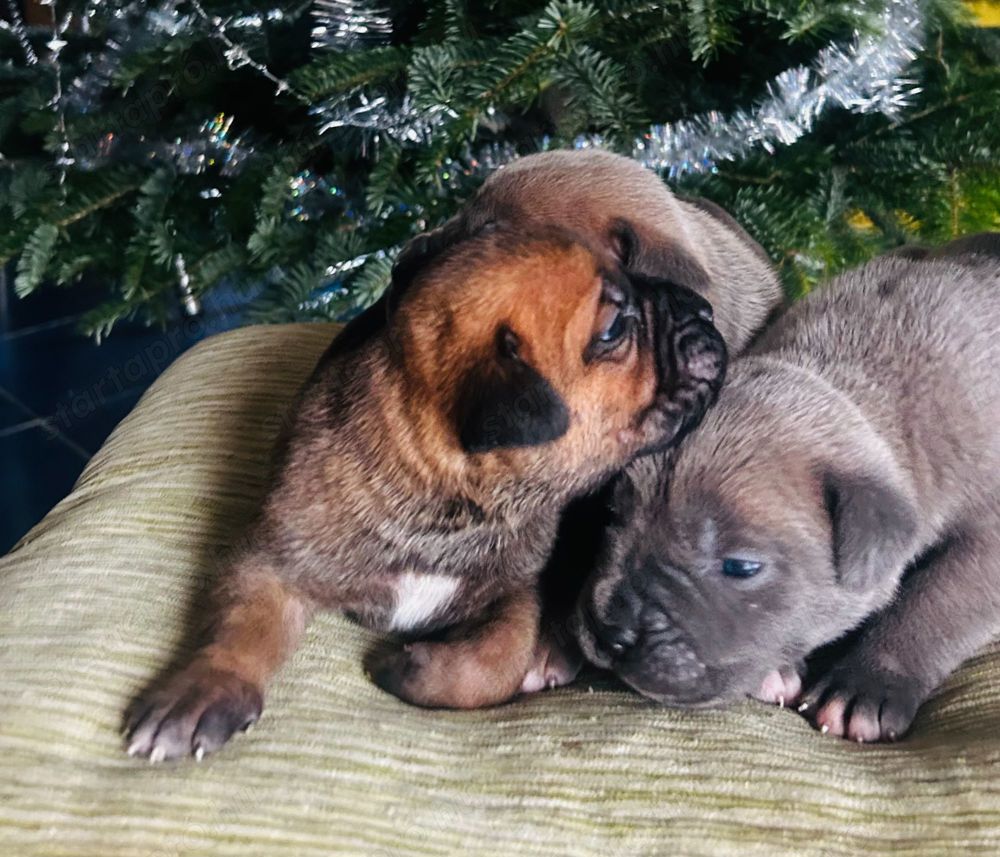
<point x="857" y="219"/>
<point x="907" y="220"/>
<point x="984" y="13"/>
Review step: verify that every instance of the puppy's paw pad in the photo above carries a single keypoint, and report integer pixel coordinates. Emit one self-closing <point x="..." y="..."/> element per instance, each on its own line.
<point x="197" y="711"/>
<point x="863" y="704"/>
<point x="780" y="687"/>
<point x="829" y="717"/>
<point x="553" y="665"/>
<point x="399" y="672"/>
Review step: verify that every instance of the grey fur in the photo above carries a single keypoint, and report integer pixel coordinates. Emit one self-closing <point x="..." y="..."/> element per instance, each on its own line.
<point x="857" y="439"/>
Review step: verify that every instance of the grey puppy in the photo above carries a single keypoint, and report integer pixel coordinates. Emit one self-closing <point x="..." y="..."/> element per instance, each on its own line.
<point x="849" y="472"/>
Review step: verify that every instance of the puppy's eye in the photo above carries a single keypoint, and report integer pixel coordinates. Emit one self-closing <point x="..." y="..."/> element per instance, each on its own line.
<point x="615" y="330"/>
<point x="732" y="567"/>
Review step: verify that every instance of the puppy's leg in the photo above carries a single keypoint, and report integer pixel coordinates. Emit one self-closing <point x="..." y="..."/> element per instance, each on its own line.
<point x="947" y="610"/>
<point x="477" y="665"/>
<point x="258" y="621"/>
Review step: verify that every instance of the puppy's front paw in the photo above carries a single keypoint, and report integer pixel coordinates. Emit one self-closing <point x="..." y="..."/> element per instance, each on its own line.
<point x="404" y="673"/>
<point x="780" y="687"/>
<point x="460" y="674"/>
<point x="194" y="713"/>
<point x="863" y="703"/>
<point x="555" y="664"/>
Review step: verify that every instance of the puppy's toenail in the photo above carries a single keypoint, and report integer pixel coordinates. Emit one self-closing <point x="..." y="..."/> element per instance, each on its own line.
<point x="133" y="748"/>
<point x="781" y="700"/>
<point x="824" y="729"/>
<point x="199" y="753"/>
<point x="802" y="707"/>
<point x="158" y="755"/>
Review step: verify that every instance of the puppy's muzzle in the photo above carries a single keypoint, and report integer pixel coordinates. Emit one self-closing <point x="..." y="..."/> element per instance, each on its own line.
<point x="654" y="656"/>
<point x="606" y="642"/>
<point x="690" y="356"/>
<point x="693" y="358"/>
<point x="635" y="635"/>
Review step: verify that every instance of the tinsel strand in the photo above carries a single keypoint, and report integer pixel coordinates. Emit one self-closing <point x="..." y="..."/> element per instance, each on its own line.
<point x="236" y="54"/>
<point x="402" y="122"/>
<point x="343" y="24"/>
<point x="21" y="32"/>
<point x="190" y="302"/>
<point x="55" y="46"/>
<point x="863" y="78"/>
<point x="16" y="26"/>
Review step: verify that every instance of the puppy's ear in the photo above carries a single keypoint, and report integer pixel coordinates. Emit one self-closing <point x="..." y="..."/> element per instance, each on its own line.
<point x="874" y="525"/>
<point x="624" y="242"/>
<point x="418" y="253"/>
<point x="421" y="250"/>
<point x="655" y="256"/>
<point x="504" y="402"/>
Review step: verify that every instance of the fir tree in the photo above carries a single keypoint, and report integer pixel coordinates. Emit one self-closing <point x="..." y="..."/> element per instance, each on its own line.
<point x="216" y="138"/>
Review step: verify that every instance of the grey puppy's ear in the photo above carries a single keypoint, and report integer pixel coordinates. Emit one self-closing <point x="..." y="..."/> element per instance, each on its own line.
<point x="874" y="525"/>
<point x="655" y="256"/>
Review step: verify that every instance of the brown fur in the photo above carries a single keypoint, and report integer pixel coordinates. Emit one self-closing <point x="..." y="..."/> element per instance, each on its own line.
<point x="433" y="449"/>
<point x="858" y="440"/>
<point x="450" y="673"/>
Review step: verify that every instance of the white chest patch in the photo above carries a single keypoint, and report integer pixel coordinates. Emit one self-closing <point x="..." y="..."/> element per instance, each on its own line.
<point x="419" y="598"/>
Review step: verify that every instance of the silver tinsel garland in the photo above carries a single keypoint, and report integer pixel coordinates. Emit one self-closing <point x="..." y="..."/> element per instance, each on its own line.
<point x="377" y="115"/>
<point x="342" y="24"/>
<point x="865" y="77"/>
<point x="127" y="30"/>
<point x="20" y="31"/>
<point x="236" y="53"/>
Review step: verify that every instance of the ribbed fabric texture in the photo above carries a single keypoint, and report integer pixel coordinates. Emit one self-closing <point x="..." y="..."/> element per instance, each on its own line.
<point x="95" y="601"/>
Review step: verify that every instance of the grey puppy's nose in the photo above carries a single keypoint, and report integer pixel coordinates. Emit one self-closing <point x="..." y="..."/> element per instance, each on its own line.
<point x="617" y="632"/>
<point x="613" y="641"/>
<point x="618" y="640"/>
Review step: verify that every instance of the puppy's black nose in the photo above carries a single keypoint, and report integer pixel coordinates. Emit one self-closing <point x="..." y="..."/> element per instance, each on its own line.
<point x="614" y="640"/>
<point x="618" y="640"/>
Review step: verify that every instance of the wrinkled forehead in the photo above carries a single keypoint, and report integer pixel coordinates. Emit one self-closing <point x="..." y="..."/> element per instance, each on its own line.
<point x="695" y="513"/>
<point x="742" y="471"/>
<point x="545" y="288"/>
<point x="751" y="517"/>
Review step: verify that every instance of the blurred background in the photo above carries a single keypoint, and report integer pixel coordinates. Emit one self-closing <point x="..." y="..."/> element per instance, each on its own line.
<point x="169" y="170"/>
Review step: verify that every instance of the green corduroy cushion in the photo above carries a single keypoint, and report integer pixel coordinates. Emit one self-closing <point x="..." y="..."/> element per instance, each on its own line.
<point x="94" y="603"/>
